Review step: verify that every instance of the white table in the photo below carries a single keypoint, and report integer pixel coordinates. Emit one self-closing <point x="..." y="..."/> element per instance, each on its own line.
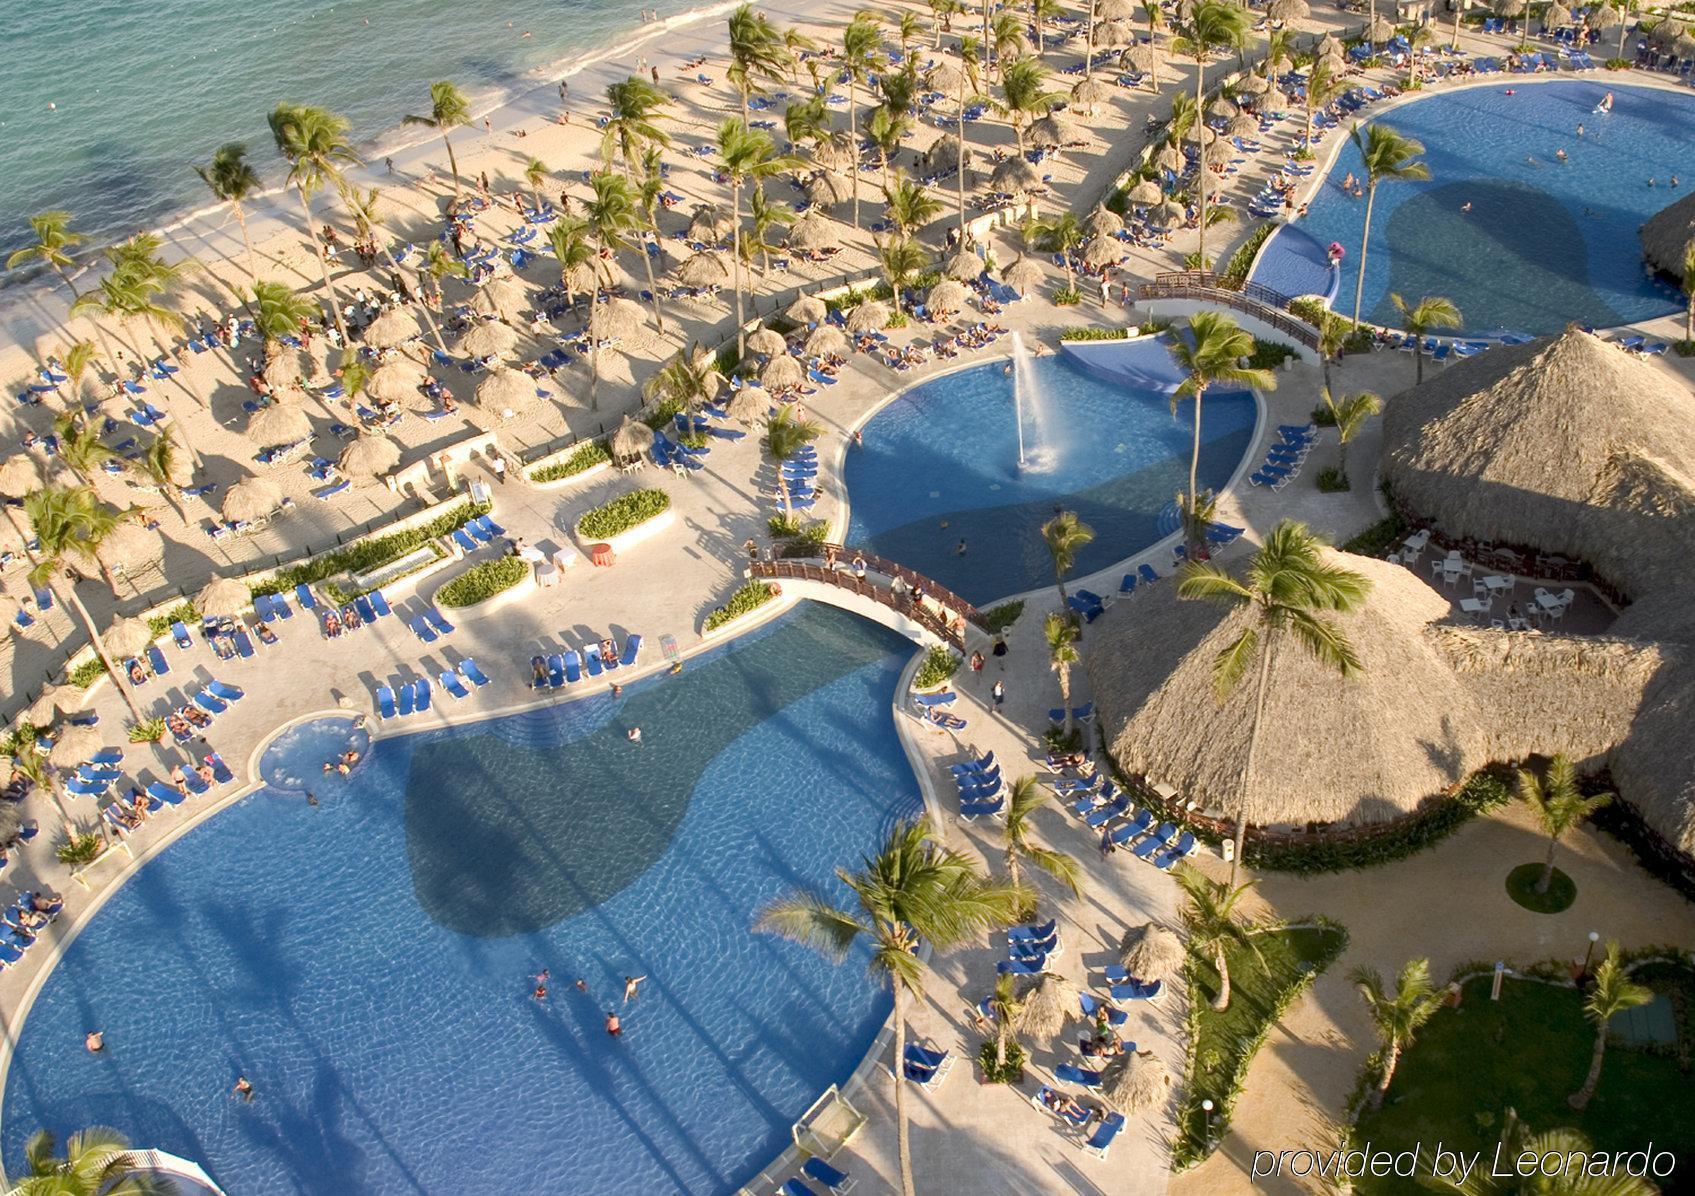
<point x="1473" y="606"/>
<point x="1550" y="602"/>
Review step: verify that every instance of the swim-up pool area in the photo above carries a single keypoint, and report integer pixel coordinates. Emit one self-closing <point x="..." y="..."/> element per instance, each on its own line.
<point x="1544" y="242"/>
<point x="939" y="464"/>
<point x="368" y="962"/>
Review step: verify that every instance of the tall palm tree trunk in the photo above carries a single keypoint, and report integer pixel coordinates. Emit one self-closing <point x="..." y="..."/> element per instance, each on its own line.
<point x="1201" y="147"/>
<point x="1241" y="835"/>
<point x="1391" y="1059"/>
<point x="1365" y="242"/>
<point x="246" y="240"/>
<point x="1219" y="961"/>
<point x="1089" y="45"/>
<point x="959" y="122"/>
<point x="118" y="678"/>
<point x="323" y="266"/>
<point x="1580" y="1099"/>
<point x="1418" y="358"/>
<point x="1193" y="537"/>
<point x="594" y="351"/>
<point x="736" y="253"/>
<point x="452" y="162"/>
<point x="853" y="141"/>
<point x="1064" y="672"/>
<point x="1547" y="878"/>
<point x="900" y="1091"/>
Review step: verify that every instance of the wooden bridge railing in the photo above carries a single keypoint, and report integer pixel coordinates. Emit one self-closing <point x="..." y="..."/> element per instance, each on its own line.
<point x="1267" y="306"/>
<point x="941" y="611"/>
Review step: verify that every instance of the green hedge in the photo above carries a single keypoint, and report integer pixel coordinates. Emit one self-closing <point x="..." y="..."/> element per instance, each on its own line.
<point x="750" y="597"/>
<point x="623" y="513"/>
<point x="939" y="664"/>
<point x="663" y="414"/>
<point x="185" y="613"/>
<point x="588" y="454"/>
<point x="484" y="581"/>
<point x="1094" y="334"/>
<point x="1313" y="311"/>
<point x="1482" y="793"/>
<point x="999" y="618"/>
<point x="369" y="554"/>
<point x="1268" y="355"/>
<point x="88" y="672"/>
<point x="1375" y="540"/>
<point x="1243" y="259"/>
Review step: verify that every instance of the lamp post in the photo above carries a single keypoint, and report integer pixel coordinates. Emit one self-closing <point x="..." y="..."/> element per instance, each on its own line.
<point x="1594" y="937"/>
<point x="1206" y="1111"/>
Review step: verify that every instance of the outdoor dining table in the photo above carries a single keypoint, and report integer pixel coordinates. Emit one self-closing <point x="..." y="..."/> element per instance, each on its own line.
<point x="1473" y="606"/>
<point x="1549" y="601"/>
<point x="1497" y="583"/>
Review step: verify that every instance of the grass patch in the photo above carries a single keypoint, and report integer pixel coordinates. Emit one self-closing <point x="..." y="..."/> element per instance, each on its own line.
<point x="483" y="581"/>
<point x="371" y="554"/>
<point x="939" y="664"/>
<point x="1377" y="539"/>
<point x="589" y="454"/>
<point x="999" y="618"/>
<point x="751" y="596"/>
<point x="623" y="513"/>
<point x="1221" y="1045"/>
<point x="1529" y="1051"/>
<point x="1521" y="887"/>
<point x="1094" y="334"/>
<point x="88" y="672"/>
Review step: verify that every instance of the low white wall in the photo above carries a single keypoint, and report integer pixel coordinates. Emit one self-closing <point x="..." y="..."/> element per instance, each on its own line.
<point x="1170" y="309"/>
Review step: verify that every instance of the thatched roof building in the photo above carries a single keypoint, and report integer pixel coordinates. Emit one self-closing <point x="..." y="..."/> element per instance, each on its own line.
<point x="1667" y="234"/>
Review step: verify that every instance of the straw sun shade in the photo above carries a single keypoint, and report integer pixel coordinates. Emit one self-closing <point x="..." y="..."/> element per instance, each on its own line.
<point x="808" y="309"/>
<point x="1169" y="158"/>
<point x="394" y="327"/>
<point x="1378" y="29"/>
<point x="1151" y="952"/>
<point x="1558" y="16"/>
<point x="75" y="744"/>
<point x="616" y="318"/>
<point x="1048" y="1006"/>
<point x="223" y="597"/>
<point x="506" y="392"/>
<point x="1253" y="85"/>
<point x="127" y="637"/>
<point x="963" y="266"/>
<point x="490" y="338"/>
<point x="370" y="455"/>
<point x="1090" y="94"/>
<point x="749" y="405"/>
<point x="1024" y="275"/>
<point x="1015" y="175"/>
<point x="395" y="381"/>
<point x="825" y="339"/>
<point x="129" y="544"/>
<point x="708" y="269"/>
<point x="1146" y="192"/>
<point x="279" y="423"/>
<point x="1115" y="10"/>
<point x="1144" y="57"/>
<point x="499" y="297"/>
<point x="19" y="475"/>
<point x="814" y="231"/>
<point x="1134" y="1082"/>
<point x="1102" y="222"/>
<point x="947" y="296"/>
<point x="946" y="77"/>
<point x="1114" y="33"/>
<point x="1056" y="130"/>
<point x="768" y="341"/>
<point x="1103" y="251"/>
<point x="1286" y="11"/>
<point x="869" y="316"/>
<point x="826" y="190"/>
<point x="1242" y="125"/>
<point x="708" y="223"/>
<point x="251" y="498"/>
<point x="283" y="370"/>
<point x="1666" y="235"/>
<point x="631" y="439"/>
<point x="782" y="373"/>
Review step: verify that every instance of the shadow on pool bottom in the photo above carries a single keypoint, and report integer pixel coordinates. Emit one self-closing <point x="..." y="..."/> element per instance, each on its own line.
<point x="1004" y="550"/>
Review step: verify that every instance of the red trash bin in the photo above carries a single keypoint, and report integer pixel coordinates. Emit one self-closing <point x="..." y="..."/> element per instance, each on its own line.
<point x="602" y="554"/>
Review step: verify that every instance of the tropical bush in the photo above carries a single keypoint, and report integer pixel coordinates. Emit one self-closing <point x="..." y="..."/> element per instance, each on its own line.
<point x="587" y="455"/>
<point x="368" y="554"/>
<point x="1268" y="355"/>
<point x="1332" y="480"/>
<point x="186" y="613"/>
<point x="805" y="532"/>
<point x="623" y="513"/>
<point x="1310" y="309"/>
<point x="1243" y="259"/>
<point x="80" y="848"/>
<point x="749" y="597"/>
<point x="938" y="665"/>
<point x="1067" y="297"/>
<point x="669" y="409"/>
<point x="1323" y="416"/>
<point x="1376" y="539"/>
<point x="88" y="672"/>
<point x="1094" y="334"/>
<point x="993" y="1073"/>
<point x="483" y="581"/>
<point x="999" y="618"/>
<point x="148" y="730"/>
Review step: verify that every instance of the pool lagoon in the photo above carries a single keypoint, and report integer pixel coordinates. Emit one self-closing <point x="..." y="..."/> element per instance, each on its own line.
<point x="1544" y="242"/>
<point x="939" y="464"/>
<point x="368" y="962"/>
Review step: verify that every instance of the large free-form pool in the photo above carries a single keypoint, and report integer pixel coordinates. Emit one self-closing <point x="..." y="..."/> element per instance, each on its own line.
<point x="939" y="465"/>
<point x="368" y="962"/>
<point x="1544" y="242"/>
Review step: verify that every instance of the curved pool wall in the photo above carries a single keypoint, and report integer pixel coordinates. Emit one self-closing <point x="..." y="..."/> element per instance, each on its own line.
<point x="939" y="463"/>
<point x="1295" y="264"/>
<point x="1545" y="243"/>
<point x="367" y="961"/>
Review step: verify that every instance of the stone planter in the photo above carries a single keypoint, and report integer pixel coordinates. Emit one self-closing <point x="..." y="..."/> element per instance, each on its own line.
<point x="631" y="536"/>
<point x="493" y="602"/>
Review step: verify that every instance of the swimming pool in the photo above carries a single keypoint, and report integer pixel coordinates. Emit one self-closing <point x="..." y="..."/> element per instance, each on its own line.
<point x="1545" y="242"/>
<point x="939" y="465"/>
<point x="367" y="962"/>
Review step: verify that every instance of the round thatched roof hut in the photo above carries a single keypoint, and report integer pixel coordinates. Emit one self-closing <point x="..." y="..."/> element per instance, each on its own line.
<point x="1667" y="235"/>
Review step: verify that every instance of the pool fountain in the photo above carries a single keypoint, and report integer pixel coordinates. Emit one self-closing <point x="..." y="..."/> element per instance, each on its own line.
<point x="1036" y="452"/>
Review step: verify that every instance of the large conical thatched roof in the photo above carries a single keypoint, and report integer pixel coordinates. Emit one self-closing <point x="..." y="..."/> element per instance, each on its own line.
<point x="490" y="338"/>
<point x="1566" y="444"/>
<point x="1667" y="234"/>
<point x="19" y="475"/>
<point x="127" y="637"/>
<point x="1135" y="1082"/>
<point x="506" y="393"/>
<point x="782" y="373"/>
<point x="223" y="597"/>
<point x="1015" y="175"/>
<point x="1024" y="275"/>
<point x="869" y="316"/>
<point x="631" y="439"/>
<point x="1151" y="952"/>
<point x="395" y="326"/>
<point x="706" y="269"/>
<point x="1049" y="1004"/>
<point x="617" y="318"/>
<point x="768" y="341"/>
<point x="824" y="340"/>
<point x="279" y="423"/>
<point x="947" y="296"/>
<point x="963" y="266"/>
<point x="370" y="455"/>
<point x="251" y="498"/>
<point x="395" y="381"/>
<point x="807" y="310"/>
<point x="1056" y="130"/>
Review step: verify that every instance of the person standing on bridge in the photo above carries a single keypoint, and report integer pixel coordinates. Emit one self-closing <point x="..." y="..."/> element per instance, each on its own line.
<point x="998" y="693"/>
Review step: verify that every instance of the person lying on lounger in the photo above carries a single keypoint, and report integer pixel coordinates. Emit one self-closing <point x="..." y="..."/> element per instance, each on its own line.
<point x="1064" y="1105"/>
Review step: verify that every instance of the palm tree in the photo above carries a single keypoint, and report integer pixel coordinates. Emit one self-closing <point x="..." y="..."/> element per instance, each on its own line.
<point x="1061" y="234"/>
<point x="159" y="462"/>
<point x="1350" y="416"/>
<point x="1322" y="87"/>
<point x="97" y="1162"/>
<point x="314" y="143"/>
<point x="784" y="437"/>
<point x="1006" y="34"/>
<point x="1385" y="155"/>
<point x="439" y="263"/>
<point x="229" y="177"/>
<point x="763" y="217"/>
<point x="71" y="523"/>
<point x="1689" y="292"/>
<point x="1559" y="805"/>
<point x="1064" y="535"/>
<point x="1061" y="634"/>
<point x="1018" y="844"/>
<point x="569" y="240"/>
<point x="944" y="11"/>
<point x="632" y="128"/>
<point x="1005" y="1005"/>
<point x="1288" y="588"/>
<point x="1213" y="25"/>
<point x="1397" y="1016"/>
<point x="915" y="890"/>
<point x="1517" y="1141"/>
<point x="884" y="129"/>
<point x="1209" y="357"/>
<point x="1433" y="311"/>
<point x="607" y="218"/>
<point x="910" y="204"/>
<point x="54" y="241"/>
<point x="901" y="258"/>
<point x="280" y="313"/>
<point x="1214" y="923"/>
<point x="1612" y="992"/>
<point x="1333" y="333"/>
<point x="535" y="174"/>
<point x="690" y="377"/>
<point x="970" y="52"/>
<point x="448" y="110"/>
<point x="861" y="46"/>
<point x="758" y="54"/>
<point x="911" y="29"/>
<point x="1025" y="95"/>
<point x="745" y="155"/>
<point x="80" y="446"/>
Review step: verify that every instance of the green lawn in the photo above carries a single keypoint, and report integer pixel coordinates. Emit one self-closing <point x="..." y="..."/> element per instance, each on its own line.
<point x="1224" y="1043"/>
<point x="1521" y="887"/>
<point x="1529" y="1051"/>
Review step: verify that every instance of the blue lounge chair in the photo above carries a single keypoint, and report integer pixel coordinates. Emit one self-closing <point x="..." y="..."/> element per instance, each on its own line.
<point x="795" y="1187"/>
<point x="489" y="525"/>
<point x="1038" y="934"/>
<point x="156" y="658"/>
<point x="1092" y="1004"/>
<point x="465" y="542"/>
<point x="435" y="617"/>
<point x="837" y="1181"/>
<point x="423" y="689"/>
<point x="1081" y="1076"/>
<point x="385" y="702"/>
<point x="1168" y="859"/>
<point x="1090" y="611"/>
<point x="972" y="810"/>
<point x="163" y="794"/>
<point x="423" y="630"/>
<point x="303" y="594"/>
<point x="229" y="693"/>
<point x="1042" y="1098"/>
<point x="632" y="649"/>
<point x="451" y="683"/>
<point x="982" y="764"/>
<point x="591" y="658"/>
<point x="1138" y="990"/>
<point x="479" y="531"/>
<point x="472" y="672"/>
<point x="209" y="703"/>
<point x="367" y="612"/>
<point x="192" y="782"/>
<point x="220" y="771"/>
<point x="406" y="700"/>
<point x="107" y="756"/>
<point x="1123" y="834"/>
<point x="1108" y="812"/>
<point x="555" y="671"/>
<point x="1020" y="967"/>
<point x="84" y="788"/>
<point x="1147" y="574"/>
<point x="180" y="632"/>
<point x="280" y="606"/>
<point x="379" y="603"/>
<point x="243" y="645"/>
<point x="1128" y="585"/>
<point x="573" y="666"/>
<point x="1101" y="1140"/>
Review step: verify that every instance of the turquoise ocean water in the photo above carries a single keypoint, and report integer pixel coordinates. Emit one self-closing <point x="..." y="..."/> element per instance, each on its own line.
<point x="141" y="92"/>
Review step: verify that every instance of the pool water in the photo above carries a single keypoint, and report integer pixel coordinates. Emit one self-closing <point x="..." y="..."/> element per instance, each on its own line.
<point x="939" y="465"/>
<point x="367" y="962"/>
<point x="1545" y="242"/>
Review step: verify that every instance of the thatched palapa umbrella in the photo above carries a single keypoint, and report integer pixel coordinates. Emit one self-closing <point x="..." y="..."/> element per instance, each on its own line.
<point x="1253" y="85"/>
<point x="1145" y="192"/>
<point x="393" y="327"/>
<point x="945" y="77"/>
<point x="1285" y="11"/>
<point x="53" y="703"/>
<point x="369" y="456"/>
<point x="19" y="476"/>
<point x="709" y="223"/>
<point x="1378" y="30"/>
<point x="506" y="393"/>
<point x="782" y="373"/>
<point x="963" y="266"/>
<point x="130" y="545"/>
<point x="749" y="405"/>
<point x="631" y="440"/>
<point x="1135" y="1082"/>
<point x="127" y="637"/>
<point x="1166" y="212"/>
<point x="1665" y="237"/>
<point x="705" y="269"/>
<point x="490" y="338"/>
<point x="1089" y="94"/>
<point x="1103" y="251"/>
<point x="283" y="370"/>
<point x="251" y="498"/>
<point x="1114" y="33"/>
<point x="808" y="309"/>
<point x="825" y="340"/>
<point x="947" y="296"/>
<point x="827" y="190"/>
<point x="1024" y="276"/>
<point x="1144" y="58"/>
<point x="767" y="341"/>
<point x="949" y="153"/>
<point x="75" y="744"/>
<point x="223" y="598"/>
<point x="1115" y="10"/>
<point x="279" y="423"/>
<point x="395" y="381"/>
<point x="814" y="231"/>
<point x="1048" y="1006"/>
<point x="1056" y="131"/>
<point x="617" y="318"/>
<point x="1151" y="952"/>
<point x="1102" y="222"/>
<point x="1171" y="158"/>
<point x="1242" y="125"/>
<point x="834" y="152"/>
<point x="1015" y="176"/>
<point x="869" y="316"/>
<point x="500" y="297"/>
<point x="1222" y="108"/>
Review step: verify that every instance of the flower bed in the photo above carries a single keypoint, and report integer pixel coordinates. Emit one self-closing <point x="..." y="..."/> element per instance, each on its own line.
<point x="623" y="513"/>
<point x="483" y="581"/>
<point x="367" y="556"/>
<point x="578" y="461"/>
<point x="939" y="665"/>
<point x="744" y="601"/>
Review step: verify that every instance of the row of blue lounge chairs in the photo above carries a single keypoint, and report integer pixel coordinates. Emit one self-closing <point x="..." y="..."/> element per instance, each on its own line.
<point x="1284" y="459"/>
<point x="1097" y="801"/>
<point x="981" y="793"/>
<point x="416" y="696"/>
<point x="476" y="533"/>
<point x="567" y="668"/>
<point x="820" y="1171"/>
<point x="20" y="936"/>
